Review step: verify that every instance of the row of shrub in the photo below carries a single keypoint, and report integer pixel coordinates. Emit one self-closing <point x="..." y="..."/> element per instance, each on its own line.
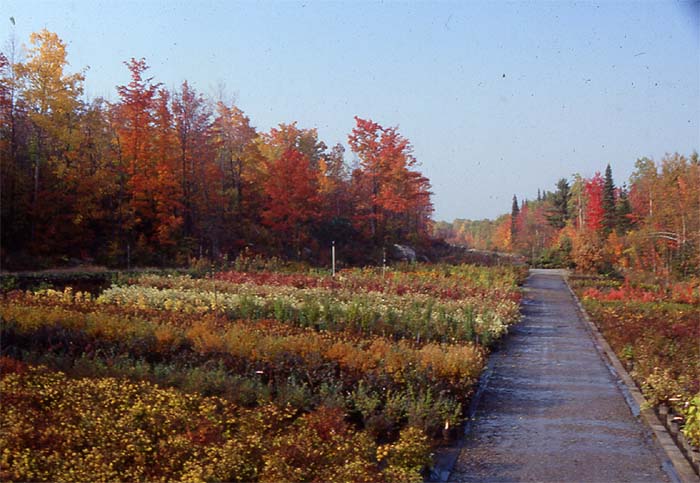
<point x="355" y="377"/>
<point x="319" y="367"/>
<point x="57" y="428"/>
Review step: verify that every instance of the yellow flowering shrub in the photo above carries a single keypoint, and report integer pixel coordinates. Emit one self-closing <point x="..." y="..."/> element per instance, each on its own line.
<point x="55" y="428"/>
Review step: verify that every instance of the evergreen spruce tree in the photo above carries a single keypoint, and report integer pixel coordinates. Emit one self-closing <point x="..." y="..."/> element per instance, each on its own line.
<point x="559" y="213"/>
<point x="610" y="220"/>
<point x="514" y="212"/>
<point x="623" y="210"/>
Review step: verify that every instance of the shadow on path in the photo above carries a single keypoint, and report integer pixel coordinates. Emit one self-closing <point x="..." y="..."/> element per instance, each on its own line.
<point x="552" y="410"/>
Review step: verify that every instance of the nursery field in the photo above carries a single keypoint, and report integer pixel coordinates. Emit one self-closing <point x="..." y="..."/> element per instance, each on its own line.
<point x="655" y="332"/>
<point x="247" y="376"/>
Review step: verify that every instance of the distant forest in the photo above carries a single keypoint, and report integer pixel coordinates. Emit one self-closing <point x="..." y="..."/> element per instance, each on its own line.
<point x="651" y="223"/>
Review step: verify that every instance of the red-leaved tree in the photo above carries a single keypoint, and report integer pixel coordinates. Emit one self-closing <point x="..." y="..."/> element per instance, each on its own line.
<point x="594" y="202"/>
<point x="392" y="200"/>
<point x="292" y="199"/>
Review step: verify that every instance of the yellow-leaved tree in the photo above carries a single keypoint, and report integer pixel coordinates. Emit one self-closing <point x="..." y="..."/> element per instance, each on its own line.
<point x="52" y="99"/>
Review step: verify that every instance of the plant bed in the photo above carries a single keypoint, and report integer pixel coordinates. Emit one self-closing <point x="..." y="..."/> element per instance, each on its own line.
<point x="299" y="343"/>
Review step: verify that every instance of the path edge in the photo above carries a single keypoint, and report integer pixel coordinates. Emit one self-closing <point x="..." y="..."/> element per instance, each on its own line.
<point x="446" y="457"/>
<point x="673" y="461"/>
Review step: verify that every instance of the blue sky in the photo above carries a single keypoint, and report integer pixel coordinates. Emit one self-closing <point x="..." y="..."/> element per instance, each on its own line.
<point x="497" y="98"/>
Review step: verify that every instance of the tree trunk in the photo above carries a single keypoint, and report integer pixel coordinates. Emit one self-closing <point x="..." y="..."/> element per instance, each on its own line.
<point x="35" y="198"/>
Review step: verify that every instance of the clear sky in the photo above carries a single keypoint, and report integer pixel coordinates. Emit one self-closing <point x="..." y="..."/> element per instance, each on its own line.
<point x="497" y="98"/>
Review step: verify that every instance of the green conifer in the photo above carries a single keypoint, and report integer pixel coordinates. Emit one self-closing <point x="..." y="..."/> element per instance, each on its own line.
<point x="610" y="220"/>
<point x="515" y="211"/>
<point x="559" y="213"/>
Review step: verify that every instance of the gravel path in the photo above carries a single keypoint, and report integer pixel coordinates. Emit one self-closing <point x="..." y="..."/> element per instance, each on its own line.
<point x="551" y="410"/>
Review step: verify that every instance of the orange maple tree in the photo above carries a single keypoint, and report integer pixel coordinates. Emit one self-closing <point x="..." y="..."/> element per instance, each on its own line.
<point x="292" y="199"/>
<point x="392" y="200"/>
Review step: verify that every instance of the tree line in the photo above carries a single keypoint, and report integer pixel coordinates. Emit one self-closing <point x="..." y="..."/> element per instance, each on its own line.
<point x="160" y="177"/>
<point x="651" y="223"/>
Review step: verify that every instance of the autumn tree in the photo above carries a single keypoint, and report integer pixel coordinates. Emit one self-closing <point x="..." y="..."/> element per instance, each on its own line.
<point x="96" y="181"/>
<point x="502" y="234"/>
<point x="333" y="179"/>
<point x="242" y="169"/>
<point x="52" y="99"/>
<point x="643" y="189"/>
<point x="417" y="218"/>
<point x="392" y="200"/>
<point x="168" y="194"/>
<point x="136" y="134"/>
<point x="676" y="216"/>
<point x="335" y="223"/>
<point x="233" y="136"/>
<point x="595" y="213"/>
<point x="192" y="118"/>
<point x="16" y="169"/>
<point x="289" y="136"/>
<point x="577" y="202"/>
<point x="7" y="106"/>
<point x="292" y="200"/>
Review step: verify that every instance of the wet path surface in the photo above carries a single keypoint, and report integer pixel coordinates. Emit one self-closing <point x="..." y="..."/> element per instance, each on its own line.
<point x="551" y="410"/>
